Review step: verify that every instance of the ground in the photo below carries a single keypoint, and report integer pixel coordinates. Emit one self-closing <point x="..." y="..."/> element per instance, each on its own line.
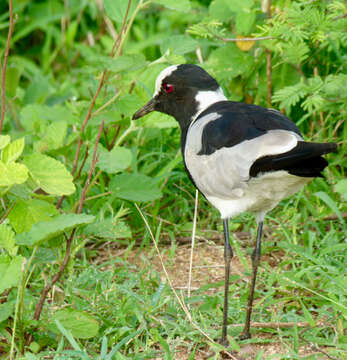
<point x="209" y="258"/>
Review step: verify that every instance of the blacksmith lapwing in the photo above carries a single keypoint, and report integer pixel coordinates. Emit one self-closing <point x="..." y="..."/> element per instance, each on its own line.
<point x="241" y="157"/>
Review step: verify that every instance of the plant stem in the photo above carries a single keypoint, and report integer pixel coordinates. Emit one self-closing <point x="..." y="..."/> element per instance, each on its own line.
<point x="4" y="68"/>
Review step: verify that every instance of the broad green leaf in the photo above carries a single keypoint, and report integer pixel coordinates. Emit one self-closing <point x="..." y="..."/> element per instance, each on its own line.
<point x="45" y="230"/>
<point x="126" y="106"/>
<point x="6" y="310"/>
<point x="116" y="9"/>
<point x="116" y="160"/>
<point x="36" y="117"/>
<point x="13" y="151"/>
<point x="81" y="324"/>
<point x="157" y="120"/>
<point x="229" y="61"/>
<point x="179" y="5"/>
<point x="54" y="137"/>
<point x="4" y="140"/>
<point x="26" y="213"/>
<point x="179" y="44"/>
<point x="220" y="10"/>
<point x="12" y="174"/>
<point x="10" y="270"/>
<point x="50" y="174"/>
<point x="38" y="90"/>
<point x="237" y="5"/>
<point x="13" y="74"/>
<point x="109" y="229"/>
<point x="7" y="239"/>
<point x="341" y="188"/>
<point x="245" y="21"/>
<point x="126" y="63"/>
<point x="135" y="187"/>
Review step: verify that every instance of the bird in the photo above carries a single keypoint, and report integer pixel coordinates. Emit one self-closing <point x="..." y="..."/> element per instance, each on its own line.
<point x="241" y="157"/>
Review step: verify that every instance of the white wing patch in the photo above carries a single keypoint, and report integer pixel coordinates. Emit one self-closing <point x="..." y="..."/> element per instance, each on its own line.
<point x="223" y="176"/>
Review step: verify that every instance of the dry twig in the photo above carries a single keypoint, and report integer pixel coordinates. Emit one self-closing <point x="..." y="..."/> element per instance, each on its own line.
<point x="69" y="239"/>
<point x="4" y="67"/>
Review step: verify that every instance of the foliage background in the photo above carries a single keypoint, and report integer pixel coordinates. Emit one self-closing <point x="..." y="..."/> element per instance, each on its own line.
<point x="56" y="206"/>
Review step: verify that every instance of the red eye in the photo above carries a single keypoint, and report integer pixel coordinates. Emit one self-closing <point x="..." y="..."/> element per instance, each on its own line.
<point x="168" y="88"/>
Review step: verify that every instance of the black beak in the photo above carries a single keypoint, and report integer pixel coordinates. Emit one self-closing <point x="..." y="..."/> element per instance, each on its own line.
<point x="149" y="107"/>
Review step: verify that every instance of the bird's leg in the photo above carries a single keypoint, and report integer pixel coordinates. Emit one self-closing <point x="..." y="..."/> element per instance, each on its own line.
<point x="255" y="262"/>
<point x="228" y="254"/>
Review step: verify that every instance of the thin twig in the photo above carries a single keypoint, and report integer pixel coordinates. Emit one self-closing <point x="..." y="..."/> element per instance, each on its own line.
<point x="56" y="277"/>
<point x="275" y="325"/>
<point x="314" y="346"/>
<point x="91" y="106"/>
<point x="4" y="68"/>
<point x="244" y="39"/>
<point x="192" y="243"/>
<point x="69" y="240"/>
<point x="8" y="210"/>
<point x="335" y="216"/>
<point x="91" y="170"/>
<point x="83" y="163"/>
<point x="182" y="303"/>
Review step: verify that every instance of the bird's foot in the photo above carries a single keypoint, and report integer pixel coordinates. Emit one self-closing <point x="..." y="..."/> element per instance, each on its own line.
<point x="245" y="335"/>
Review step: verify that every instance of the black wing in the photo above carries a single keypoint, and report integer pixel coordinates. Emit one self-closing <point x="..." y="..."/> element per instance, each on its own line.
<point x="239" y="122"/>
<point x="304" y="160"/>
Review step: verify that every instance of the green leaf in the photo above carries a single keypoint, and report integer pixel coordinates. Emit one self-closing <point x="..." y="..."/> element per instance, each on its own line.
<point x="10" y="270"/>
<point x="229" y="61"/>
<point x="25" y="213"/>
<point x="245" y="21"/>
<point x="237" y="5"/>
<point x="81" y="324"/>
<point x="4" y="140"/>
<point x="54" y="137"/>
<point x="46" y="230"/>
<point x="330" y="202"/>
<point x="6" y="310"/>
<point x="220" y="10"/>
<point x="341" y="188"/>
<point x="7" y="239"/>
<point x="109" y="229"/>
<point x="157" y="120"/>
<point x="12" y="173"/>
<point x="178" y="5"/>
<point x="116" y="160"/>
<point x="36" y="117"/>
<point x="50" y="174"/>
<point x="116" y="9"/>
<point x="179" y="44"/>
<point x="135" y="187"/>
<point x="13" y="74"/>
<point x="126" y="63"/>
<point x="13" y="151"/>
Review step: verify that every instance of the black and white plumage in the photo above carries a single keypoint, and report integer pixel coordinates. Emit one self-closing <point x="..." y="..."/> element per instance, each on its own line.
<point x="241" y="157"/>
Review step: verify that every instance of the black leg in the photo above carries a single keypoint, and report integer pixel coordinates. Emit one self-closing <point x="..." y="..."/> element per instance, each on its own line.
<point x="255" y="262"/>
<point x="228" y="254"/>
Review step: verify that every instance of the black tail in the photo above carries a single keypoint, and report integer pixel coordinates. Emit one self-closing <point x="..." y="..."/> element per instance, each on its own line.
<point x="303" y="160"/>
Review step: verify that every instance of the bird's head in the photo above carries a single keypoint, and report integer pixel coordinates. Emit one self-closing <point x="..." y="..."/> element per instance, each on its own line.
<point x="183" y="91"/>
